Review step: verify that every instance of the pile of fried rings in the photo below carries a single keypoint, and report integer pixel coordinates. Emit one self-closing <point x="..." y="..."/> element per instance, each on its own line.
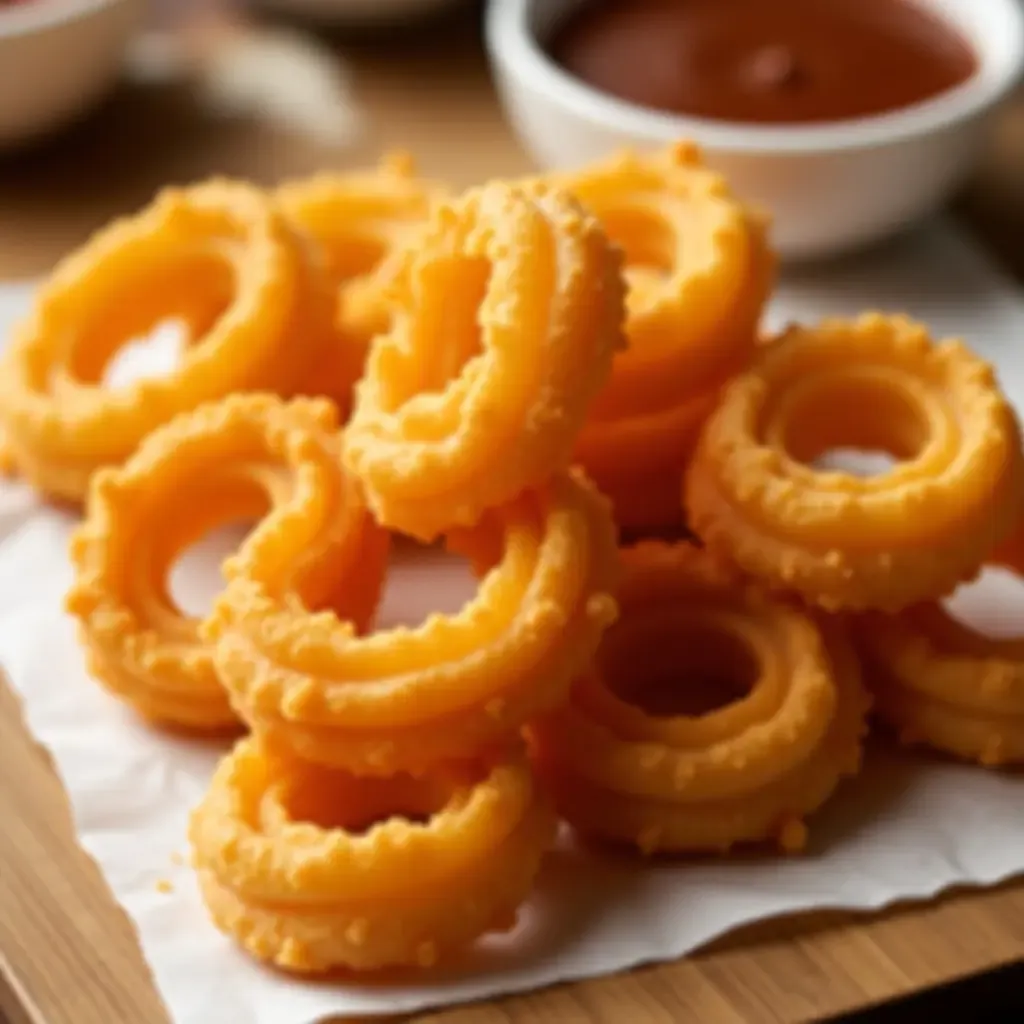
<point x="544" y="376"/>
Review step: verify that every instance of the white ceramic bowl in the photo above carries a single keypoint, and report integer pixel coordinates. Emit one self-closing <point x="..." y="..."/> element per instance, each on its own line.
<point x="57" y="57"/>
<point x="830" y="188"/>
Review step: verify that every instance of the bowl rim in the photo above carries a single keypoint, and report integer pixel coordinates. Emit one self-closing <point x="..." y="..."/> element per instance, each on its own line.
<point x="39" y="15"/>
<point x="511" y="43"/>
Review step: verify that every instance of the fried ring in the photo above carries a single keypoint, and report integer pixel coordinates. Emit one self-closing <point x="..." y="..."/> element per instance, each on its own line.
<point x="704" y="779"/>
<point x="699" y="271"/>
<point x="507" y="316"/>
<point x="404" y="698"/>
<point x="248" y="456"/>
<point x="215" y="256"/>
<point x="358" y="222"/>
<point x="310" y="868"/>
<point x="938" y="682"/>
<point x="841" y="541"/>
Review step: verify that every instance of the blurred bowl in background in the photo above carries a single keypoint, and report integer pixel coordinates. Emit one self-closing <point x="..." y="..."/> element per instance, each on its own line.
<point x="57" y="58"/>
<point x="356" y="12"/>
<point x="830" y="187"/>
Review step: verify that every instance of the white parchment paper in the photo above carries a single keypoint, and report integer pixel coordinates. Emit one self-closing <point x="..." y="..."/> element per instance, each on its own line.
<point x="910" y="826"/>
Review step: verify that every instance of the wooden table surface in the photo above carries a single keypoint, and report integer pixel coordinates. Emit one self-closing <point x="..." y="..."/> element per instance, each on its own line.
<point x="67" y="953"/>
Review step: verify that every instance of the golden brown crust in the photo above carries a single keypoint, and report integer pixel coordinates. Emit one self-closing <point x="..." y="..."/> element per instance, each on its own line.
<point x="507" y="314"/>
<point x="748" y="771"/>
<point x="249" y="456"/>
<point x="309" y="897"/>
<point x="846" y="542"/>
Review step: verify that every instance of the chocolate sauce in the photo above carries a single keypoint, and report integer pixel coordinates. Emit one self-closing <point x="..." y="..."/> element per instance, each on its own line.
<point x="765" y="61"/>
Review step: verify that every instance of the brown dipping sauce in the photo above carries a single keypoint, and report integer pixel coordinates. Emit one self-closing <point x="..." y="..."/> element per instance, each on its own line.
<point x="765" y="61"/>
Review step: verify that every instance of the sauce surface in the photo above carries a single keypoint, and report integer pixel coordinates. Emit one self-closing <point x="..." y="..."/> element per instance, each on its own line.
<point x="765" y="61"/>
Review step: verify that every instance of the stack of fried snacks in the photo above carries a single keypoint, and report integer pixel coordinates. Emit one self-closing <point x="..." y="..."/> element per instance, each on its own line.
<point x="886" y="548"/>
<point x="218" y="258"/>
<point x="506" y="313"/>
<point x="698" y="270"/>
<point x="406" y="698"/>
<point x="272" y="293"/>
<point x="279" y="845"/>
<point x="384" y="810"/>
<point x="772" y="717"/>
<point x="506" y="308"/>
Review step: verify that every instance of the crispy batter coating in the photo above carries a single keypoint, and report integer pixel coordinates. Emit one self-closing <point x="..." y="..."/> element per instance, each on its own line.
<point x="401" y="699"/>
<point x="940" y="683"/>
<point x="698" y="269"/>
<point x="841" y="541"/>
<point x="248" y="456"/>
<point x="311" y="869"/>
<point x="215" y="256"/>
<point x="358" y="222"/>
<point x="507" y="315"/>
<point x="712" y="775"/>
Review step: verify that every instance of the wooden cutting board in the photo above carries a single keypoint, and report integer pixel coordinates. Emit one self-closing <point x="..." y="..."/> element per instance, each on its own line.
<point x="67" y="953"/>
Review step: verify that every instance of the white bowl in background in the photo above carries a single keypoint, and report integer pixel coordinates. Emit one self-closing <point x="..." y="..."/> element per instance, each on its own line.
<point x="830" y="187"/>
<point x="57" y="58"/>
